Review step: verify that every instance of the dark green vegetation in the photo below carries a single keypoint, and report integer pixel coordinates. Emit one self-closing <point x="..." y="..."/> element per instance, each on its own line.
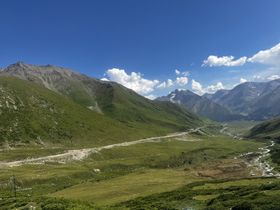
<point x="45" y="203"/>
<point x="245" y="194"/>
<point x="275" y="157"/>
<point x="267" y="130"/>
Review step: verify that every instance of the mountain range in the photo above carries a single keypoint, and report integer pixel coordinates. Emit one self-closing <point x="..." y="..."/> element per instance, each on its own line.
<point x="51" y="104"/>
<point x="253" y="100"/>
<point x="247" y="101"/>
<point x="200" y="105"/>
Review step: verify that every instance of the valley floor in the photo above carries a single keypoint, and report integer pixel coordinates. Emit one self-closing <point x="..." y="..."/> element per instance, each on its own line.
<point x="197" y="169"/>
<point x="80" y="154"/>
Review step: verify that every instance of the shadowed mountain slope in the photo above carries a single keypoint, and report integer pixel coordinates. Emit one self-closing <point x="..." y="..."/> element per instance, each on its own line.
<point x="268" y="129"/>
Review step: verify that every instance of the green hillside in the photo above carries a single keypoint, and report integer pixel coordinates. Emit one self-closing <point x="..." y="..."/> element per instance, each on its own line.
<point x="31" y="113"/>
<point x="109" y="98"/>
<point x="268" y="129"/>
<point x="125" y="105"/>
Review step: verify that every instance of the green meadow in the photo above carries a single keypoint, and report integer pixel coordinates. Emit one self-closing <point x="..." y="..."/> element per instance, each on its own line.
<point x="190" y="170"/>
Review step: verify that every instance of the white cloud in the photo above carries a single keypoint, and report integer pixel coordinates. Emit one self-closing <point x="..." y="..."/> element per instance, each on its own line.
<point x="162" y="85"/>
<point x="183" y="73"/>
<point x="182" y="81"/>
<point x="198" y="88"/>
<point x="270" y="56"/>
<point x="177" y="72"/>
<point x="104" y="79"/>
<point x="214" y="88"/>
<point x="151" y="97"/>
<point x="214" y="60"/>
<point x="165" y="84"/>
<point x="242" y="80"/>
<point x="273" y="77"/>
<point x="169" y="83"/>
<point x="133" y="81"/>
<point x="256" y="77"/>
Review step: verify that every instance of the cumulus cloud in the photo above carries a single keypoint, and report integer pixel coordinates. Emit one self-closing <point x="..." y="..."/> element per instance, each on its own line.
<point x="242" y="80"/>
<point x="181" y="81"/>
<point x="165" y="84"/>
<point x="141" y="85"/>
<point x="134" y="81"/>
<point x="214" y="60"/>
<point x="177" y="72"/>
<point x="151" y="96"/>
<point x="104" y="79"/>
<point x="183" y="73"/>
<point x="214" y="88"/>
<point x="198" y="88"/>
<point x="270" y="56"/>
<point x="273" y="77"/>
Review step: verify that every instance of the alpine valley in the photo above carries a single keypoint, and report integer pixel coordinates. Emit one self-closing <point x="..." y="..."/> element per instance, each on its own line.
<point x="70" y="141"/>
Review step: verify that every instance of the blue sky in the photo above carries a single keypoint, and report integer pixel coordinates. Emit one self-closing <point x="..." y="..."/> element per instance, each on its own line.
<point x="152" y="38"/>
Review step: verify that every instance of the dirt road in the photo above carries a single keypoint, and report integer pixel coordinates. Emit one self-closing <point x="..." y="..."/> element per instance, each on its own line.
<point x="80" y="154"/>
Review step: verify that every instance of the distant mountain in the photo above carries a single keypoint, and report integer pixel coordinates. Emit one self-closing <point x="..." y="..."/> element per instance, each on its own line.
<point x="254" y="100"/>
<point x="269" y="129"/>
<point x="268" y="105"/>
<point x="217" y="96"/>
<point x="106" y="109"/>
<point x="200" y="105"/>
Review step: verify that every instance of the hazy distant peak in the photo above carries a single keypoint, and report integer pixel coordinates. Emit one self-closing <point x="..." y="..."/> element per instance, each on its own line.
<point x="199" y="105"/>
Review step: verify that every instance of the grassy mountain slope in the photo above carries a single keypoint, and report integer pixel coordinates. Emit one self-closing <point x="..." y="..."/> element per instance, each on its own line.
<point x="78" y="87"/>
<point x="32" y="113"/>
<point x="109" y="98"/>
<point x="126" y="106"/>
<point x="268" y="129"/>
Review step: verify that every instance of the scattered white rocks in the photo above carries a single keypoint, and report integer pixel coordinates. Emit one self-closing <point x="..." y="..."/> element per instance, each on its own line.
<point x="260" y="163"/>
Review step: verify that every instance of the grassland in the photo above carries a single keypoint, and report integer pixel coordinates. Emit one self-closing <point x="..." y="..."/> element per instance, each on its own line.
<point x="122" y="176"/>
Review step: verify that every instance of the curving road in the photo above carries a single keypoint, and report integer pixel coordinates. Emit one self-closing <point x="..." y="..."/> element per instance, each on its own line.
<point x="80" y="154"/>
